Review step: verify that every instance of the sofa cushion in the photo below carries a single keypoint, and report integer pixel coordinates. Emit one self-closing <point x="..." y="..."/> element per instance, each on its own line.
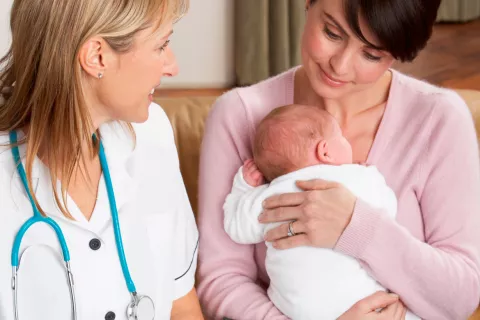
<point x="187" y="116"/>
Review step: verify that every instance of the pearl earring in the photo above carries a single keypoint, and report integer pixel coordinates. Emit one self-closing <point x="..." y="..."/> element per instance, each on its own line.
<point x="100" y="75"/>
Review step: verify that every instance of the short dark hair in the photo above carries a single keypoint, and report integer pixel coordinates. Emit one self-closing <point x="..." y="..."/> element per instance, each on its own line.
<point x="403" y="27"/>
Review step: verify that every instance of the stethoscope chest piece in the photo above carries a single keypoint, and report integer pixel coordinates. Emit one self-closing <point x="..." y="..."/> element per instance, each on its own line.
<point x="141" y="308"/>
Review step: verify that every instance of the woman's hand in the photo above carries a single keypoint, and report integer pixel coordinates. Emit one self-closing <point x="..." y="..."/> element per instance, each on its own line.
<point x="391" y="308"/>
<point x="320" y="214"/>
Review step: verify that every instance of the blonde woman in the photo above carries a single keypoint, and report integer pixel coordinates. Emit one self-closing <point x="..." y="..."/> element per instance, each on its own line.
<point x="95" y="221"/>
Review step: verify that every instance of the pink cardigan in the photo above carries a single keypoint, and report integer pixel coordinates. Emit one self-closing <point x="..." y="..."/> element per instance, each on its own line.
<point x="427" y="149"/>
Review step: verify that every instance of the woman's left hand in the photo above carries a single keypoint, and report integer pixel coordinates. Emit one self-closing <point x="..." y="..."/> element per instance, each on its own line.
<point x="320" y="214"/>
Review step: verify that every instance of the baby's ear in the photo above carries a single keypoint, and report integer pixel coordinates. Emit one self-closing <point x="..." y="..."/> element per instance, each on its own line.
<point x="323" y="152"/>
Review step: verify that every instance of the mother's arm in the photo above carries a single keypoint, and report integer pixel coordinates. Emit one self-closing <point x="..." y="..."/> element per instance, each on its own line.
<point x="227" y="271"/>
<point x="438" y="279"/>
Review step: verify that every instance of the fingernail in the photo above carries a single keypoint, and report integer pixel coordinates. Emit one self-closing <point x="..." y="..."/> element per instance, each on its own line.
<point x="260" y="217"/>
<point x="393" y="295"/>
<point x="264" y="203"/>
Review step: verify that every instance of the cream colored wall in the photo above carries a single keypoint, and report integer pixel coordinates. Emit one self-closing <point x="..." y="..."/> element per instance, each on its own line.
<point x="203" y="42"/>
<point x="5" y="37"/>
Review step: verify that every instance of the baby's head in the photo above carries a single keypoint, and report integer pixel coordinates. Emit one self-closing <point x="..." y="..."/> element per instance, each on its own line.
<point x="296" y="136"/>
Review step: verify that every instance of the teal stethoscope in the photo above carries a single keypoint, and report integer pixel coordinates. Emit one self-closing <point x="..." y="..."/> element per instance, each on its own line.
<point x="141" y="307"/>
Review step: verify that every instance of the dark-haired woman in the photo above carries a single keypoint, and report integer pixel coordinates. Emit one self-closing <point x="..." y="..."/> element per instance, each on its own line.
<point x="419" y="136"/>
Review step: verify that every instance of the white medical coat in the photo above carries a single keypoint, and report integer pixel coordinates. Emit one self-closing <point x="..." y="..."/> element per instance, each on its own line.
<point x="159" y="233"/>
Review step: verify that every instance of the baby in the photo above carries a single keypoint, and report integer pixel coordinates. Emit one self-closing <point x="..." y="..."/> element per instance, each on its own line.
<point x="294" y="143"/>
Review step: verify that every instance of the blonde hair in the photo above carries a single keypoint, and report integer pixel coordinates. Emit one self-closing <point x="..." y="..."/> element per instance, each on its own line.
<point x="40" y="79"/>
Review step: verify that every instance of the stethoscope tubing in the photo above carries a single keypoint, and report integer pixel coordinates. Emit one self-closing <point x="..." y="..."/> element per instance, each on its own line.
<point x="37" y="217"/>
<point x="116" y="223"/>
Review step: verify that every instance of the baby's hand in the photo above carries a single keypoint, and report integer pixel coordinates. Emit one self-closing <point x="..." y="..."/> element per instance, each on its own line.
<point x="251" y="174"/>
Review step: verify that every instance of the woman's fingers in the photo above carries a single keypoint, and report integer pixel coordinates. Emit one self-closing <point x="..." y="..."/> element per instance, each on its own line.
<point x="317" y="184"/>
<point x="378" y="300"/>
<point x="282" y="231"/>
<point x="284" y="200"/>
<point x="291" y="242"/>
<point x="395" y="311"/>
<point x="280" y="214"/>
<point x="401" y="311"/>
<point x="367" y="307"/>
<point x="404" y="313"/>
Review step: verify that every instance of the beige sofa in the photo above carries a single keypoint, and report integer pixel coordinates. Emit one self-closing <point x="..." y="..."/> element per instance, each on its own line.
<point x="187" y="115"/>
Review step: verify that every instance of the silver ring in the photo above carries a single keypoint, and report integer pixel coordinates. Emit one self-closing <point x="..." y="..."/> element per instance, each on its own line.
<point x="290" y="232"/>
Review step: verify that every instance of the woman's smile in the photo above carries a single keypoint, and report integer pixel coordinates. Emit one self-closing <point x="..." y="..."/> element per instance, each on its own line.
<point x="331" y="81"/>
